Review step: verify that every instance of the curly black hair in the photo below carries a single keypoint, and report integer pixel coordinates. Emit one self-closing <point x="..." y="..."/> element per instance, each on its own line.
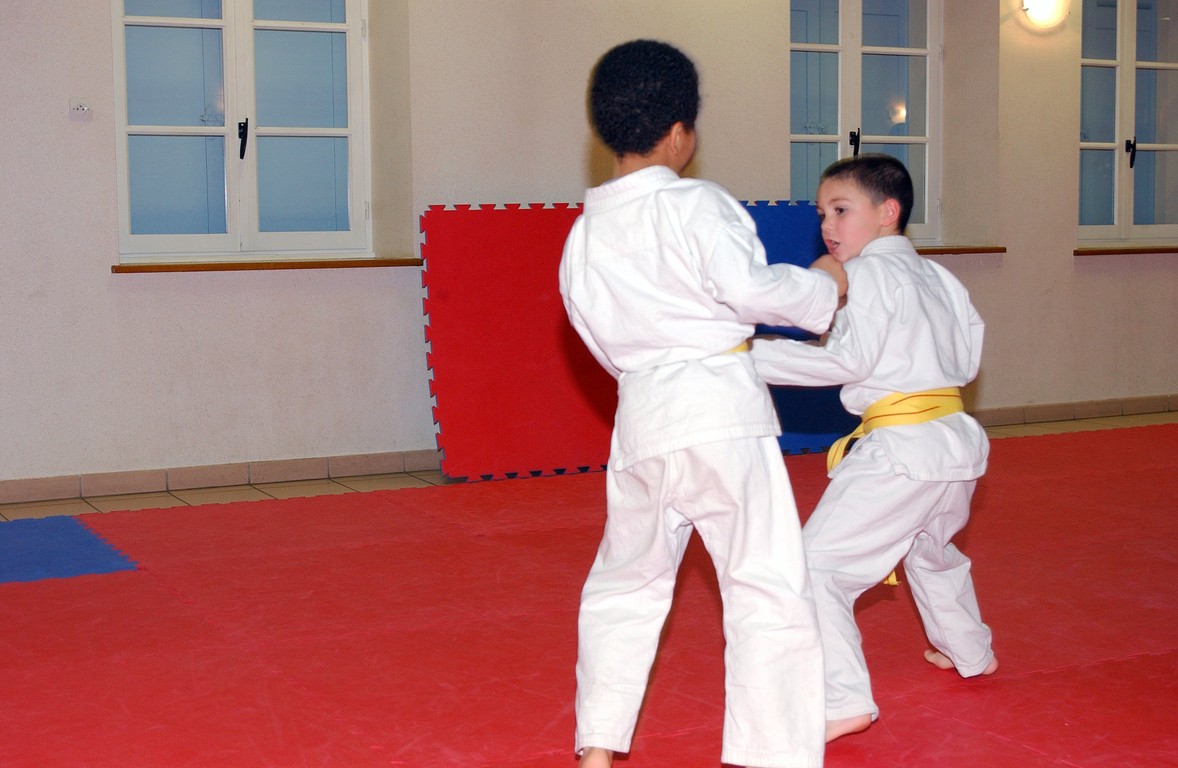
<point x="880" y="177"/>
<point x="638" y="91"/>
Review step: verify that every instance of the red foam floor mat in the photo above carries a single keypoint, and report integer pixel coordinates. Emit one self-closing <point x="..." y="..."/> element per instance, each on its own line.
<point x="436" y="627"/>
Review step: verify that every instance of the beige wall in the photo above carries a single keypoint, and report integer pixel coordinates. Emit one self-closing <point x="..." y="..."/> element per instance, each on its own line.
<point x="498" y="116"/>
<point x="499" y="93"/>
<point x="477" y="101"/>
<point x="107" y="373"/>
<point x="1062" y="327"/>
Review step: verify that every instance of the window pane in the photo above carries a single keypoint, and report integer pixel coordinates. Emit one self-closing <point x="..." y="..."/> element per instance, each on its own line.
<point x="1098" y="103"/>
<point x="814" y="93"/>
<point x="895" y="23"/>
<point x="1157" y="106"/>
<point x="1096" y="186"/>
<point x="807" y="161"/>
<point x="300" y="10"/>
<point x="182" y="9"/>
<point x="302" y="184"/>
<point x="814" y="21"/>
<point x="1155" y="188"/>
<point x="913" y="157"/>
<point x="174" y="76"/>
<point x="177" y="184"/>
<point x="302" y="79"/>
<point x="1099" y="36"/>
<point x="1157" y="39"/>
<point x="894" y="95"/>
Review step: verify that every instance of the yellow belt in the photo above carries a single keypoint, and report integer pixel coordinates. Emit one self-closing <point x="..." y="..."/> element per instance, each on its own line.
<point x="741" y="347"/>
<point x="895" y="410"/>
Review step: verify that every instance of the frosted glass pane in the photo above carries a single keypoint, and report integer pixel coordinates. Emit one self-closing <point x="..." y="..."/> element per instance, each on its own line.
<point x="302" y="79"/>
<point x="300" y="10"/>
<point x="913" y="156"/>
<point x="895" y="92"/>
<point x="807" y="161"/>
<point x="1155" y="188"/>
<point x="895" y="23"/>
<point x="1099" y="35"/>
<point x="1098" y="102"/>
<point x="1157" y="106"/>
<point x="177" y="184"/>
<point x="814" y="21"/>
<point x="1157" y="36"/>
<point x="1096" y="186"/>
<point x="302" y="184"/>
<point x="814" y="93"/>
<point x="180" y="9"/>
<point x="174" y="76"/>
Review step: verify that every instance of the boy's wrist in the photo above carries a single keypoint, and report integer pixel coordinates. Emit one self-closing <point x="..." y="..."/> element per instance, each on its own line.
<point x="831" y="266"/>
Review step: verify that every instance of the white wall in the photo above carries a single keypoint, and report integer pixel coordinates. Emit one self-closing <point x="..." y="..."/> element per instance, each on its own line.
<point x="499" y="93"/>
<point x="1062" y="327"/>
<point x="103" y="372"/>
<point x="483" y="102"/>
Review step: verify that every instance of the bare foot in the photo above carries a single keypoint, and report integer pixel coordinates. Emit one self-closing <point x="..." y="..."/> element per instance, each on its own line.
<point x="596" y="757"/>
<point x="848" y="725"/>
<point x="941" y="661"/>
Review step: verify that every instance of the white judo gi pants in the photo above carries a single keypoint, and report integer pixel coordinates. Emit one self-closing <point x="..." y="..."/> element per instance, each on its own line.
<point x="737" y="495"/>
<point x="869" y="519"/>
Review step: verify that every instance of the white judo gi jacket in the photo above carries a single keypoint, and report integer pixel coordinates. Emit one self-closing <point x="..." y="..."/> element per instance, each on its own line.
<point x="908" y="326"/>
<point x="659" y="305"/>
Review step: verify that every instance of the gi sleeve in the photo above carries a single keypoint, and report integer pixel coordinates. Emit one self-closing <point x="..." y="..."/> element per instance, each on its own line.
<point x="851" y="352"/>
<point x="977" y="330"/>
<point x="569" y="274"/>
<point x="737" y="274"/>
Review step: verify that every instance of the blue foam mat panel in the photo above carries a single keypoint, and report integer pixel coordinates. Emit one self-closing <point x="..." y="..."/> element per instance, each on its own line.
<point x="811" y="418"/>
<point x="55" y="548"/>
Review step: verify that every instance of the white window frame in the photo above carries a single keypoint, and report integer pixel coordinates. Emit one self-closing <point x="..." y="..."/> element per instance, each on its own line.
<point x="243" y="242"/>
<point x="1126" y="65"/>
<point x="850" y="52"/>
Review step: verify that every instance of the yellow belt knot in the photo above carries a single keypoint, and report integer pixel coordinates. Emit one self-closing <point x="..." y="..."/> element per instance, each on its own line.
<point x="894" y="410"/>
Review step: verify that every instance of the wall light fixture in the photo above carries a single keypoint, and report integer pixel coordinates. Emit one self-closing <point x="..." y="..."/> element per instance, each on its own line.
<point x="1045" y="13"/>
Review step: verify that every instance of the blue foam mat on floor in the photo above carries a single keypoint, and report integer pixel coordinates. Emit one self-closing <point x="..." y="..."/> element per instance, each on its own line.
<point x="55" y="548"/>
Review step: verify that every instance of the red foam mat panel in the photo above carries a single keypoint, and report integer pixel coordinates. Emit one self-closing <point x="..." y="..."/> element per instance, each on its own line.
<point x="516" y="391"/>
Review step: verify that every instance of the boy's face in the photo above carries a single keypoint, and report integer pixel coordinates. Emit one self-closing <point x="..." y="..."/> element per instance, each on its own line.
<point x="850" y="220"/>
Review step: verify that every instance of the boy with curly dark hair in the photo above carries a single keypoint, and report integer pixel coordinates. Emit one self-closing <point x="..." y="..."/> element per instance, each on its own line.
<point x="664" y="278"/>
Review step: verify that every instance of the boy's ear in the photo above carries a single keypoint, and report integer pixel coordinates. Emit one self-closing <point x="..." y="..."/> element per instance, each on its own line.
<point x="891" y="212"/>
<point x="678" y="135"/>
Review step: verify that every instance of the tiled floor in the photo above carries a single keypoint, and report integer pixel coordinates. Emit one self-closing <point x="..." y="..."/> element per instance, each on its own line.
<point x="196" y="496"/>
<point x="1083" y="425"/>
<point x="225" y="494"/>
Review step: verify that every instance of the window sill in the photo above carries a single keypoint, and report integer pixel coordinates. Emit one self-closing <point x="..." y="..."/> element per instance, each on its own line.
<point x="1106" y="250"/>
<point x="953" y="250"/>
<point x="239" y="266"/>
